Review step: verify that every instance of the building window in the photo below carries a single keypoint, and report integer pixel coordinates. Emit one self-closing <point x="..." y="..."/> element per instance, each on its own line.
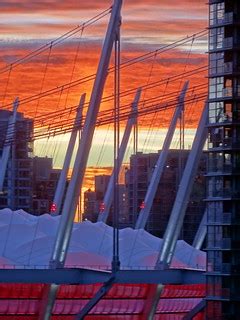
<point x="214" y="211"/>
<point x="228" y="88"/>
<point x="216" y="63"/>
<point x="216" y="87"/>
<point x="216" y="38"/>
<point x="219" y="162"/>
<point x="215" y="186"/>
<point x="216" y="112"/>
<point x="217" y="13"/>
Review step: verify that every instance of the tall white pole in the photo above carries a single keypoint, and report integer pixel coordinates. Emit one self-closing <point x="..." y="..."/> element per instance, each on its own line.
<point x="160" y="166"/>
<point x="59" y="193"/>
<point x="73" y="192"/>
<point x="181" y="202"/>
<point x="108" y="198"/>
<point x="7" y="145"/>
<point x="201" y="232"/>
<point x="72" y="196"/>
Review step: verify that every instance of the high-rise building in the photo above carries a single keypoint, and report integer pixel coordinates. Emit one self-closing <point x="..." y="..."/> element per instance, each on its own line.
<point x="138" y="178"/>
<point x="91" y="206"/>
<point x="30" y="182"/>
<point x="223" y="194"/>
<point x="45" y="179"/>
<point x="17" y="189"/>
<point x="101" y="184"/>
<point x="93" y="200"/>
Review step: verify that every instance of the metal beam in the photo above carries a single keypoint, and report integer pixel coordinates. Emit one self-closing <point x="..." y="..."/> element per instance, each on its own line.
<point x="7" y="144"/>
<point x="58" y="197"/>
<point x="48" y="300"/>
<point x="98" y="296"/>
<point x="58" y="276"/>
<point x="181" y="202"/>
<point x="73" y="192"/>
<point x="85" y="276"/>
<point x="201" y="232"/>
<point x="108" y="198"/>
<point x="71" y="200"/>
<point x="160" y="166"/>
<point x="151" y="303"/>
<point x="198" y="308"/>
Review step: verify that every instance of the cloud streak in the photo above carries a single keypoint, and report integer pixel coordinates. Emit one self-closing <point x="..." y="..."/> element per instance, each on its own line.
<point x="151" y="17"/>
<point x="146" y="26"/>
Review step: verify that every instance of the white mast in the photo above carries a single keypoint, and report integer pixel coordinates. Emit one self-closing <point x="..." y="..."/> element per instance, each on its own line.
<point x="159" y="168"/>
<point x="180" y="205"/>
<point x="59" y="193"/>
<point x="108" y="198"/>
<point x="201" y="232"/>
<point x="70" y="204"/>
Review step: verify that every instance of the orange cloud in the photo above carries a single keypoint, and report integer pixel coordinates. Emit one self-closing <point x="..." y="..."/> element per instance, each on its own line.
<point x="146" y="26"/>
<point x="77" y="60"/>
<point x="48" y="5"/>
<point x="44" y="18"/>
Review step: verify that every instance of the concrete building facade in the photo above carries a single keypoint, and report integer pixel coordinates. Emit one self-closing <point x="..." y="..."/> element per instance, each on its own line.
<point x="17" y="189"/>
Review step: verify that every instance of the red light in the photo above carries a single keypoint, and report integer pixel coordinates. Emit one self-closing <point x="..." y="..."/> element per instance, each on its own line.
<point x="53" y="207"/>
<point x="142" y="205"/>
<point x="102" y="207"/>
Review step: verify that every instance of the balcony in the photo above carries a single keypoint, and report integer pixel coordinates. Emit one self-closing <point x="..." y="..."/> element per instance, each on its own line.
<point x="221" y="293"/>
<point x="220" y="219"/>
<point x="219" y="244"/>
<point x="226" y="268"/>
<point x="225" y="68"/>
<point x="227" y="218"/>
<point x="214" y="1"/>
<point x="227" y="18"/>
<point x="220" y="168"/>
<point x="224" y="144"/>
<point x="228" y="67"/>
<point x="228" y="43"/>
<point x="226" y="169"/>
<point x="226" y="243"/>
<point x="227" y="92"/>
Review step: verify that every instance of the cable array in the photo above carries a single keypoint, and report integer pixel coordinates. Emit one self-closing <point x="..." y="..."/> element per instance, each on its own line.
<point x="61" y="121"/>
<point x="141" y="58"/>
<point x="147" y="107"/>
<point x="49" y="45"/>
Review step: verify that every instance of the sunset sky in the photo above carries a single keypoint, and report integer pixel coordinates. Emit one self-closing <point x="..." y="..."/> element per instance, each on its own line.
<point x="147" y="25"/>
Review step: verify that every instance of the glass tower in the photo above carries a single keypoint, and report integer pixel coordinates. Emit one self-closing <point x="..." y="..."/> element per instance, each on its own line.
<point x="223" y="189"/>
